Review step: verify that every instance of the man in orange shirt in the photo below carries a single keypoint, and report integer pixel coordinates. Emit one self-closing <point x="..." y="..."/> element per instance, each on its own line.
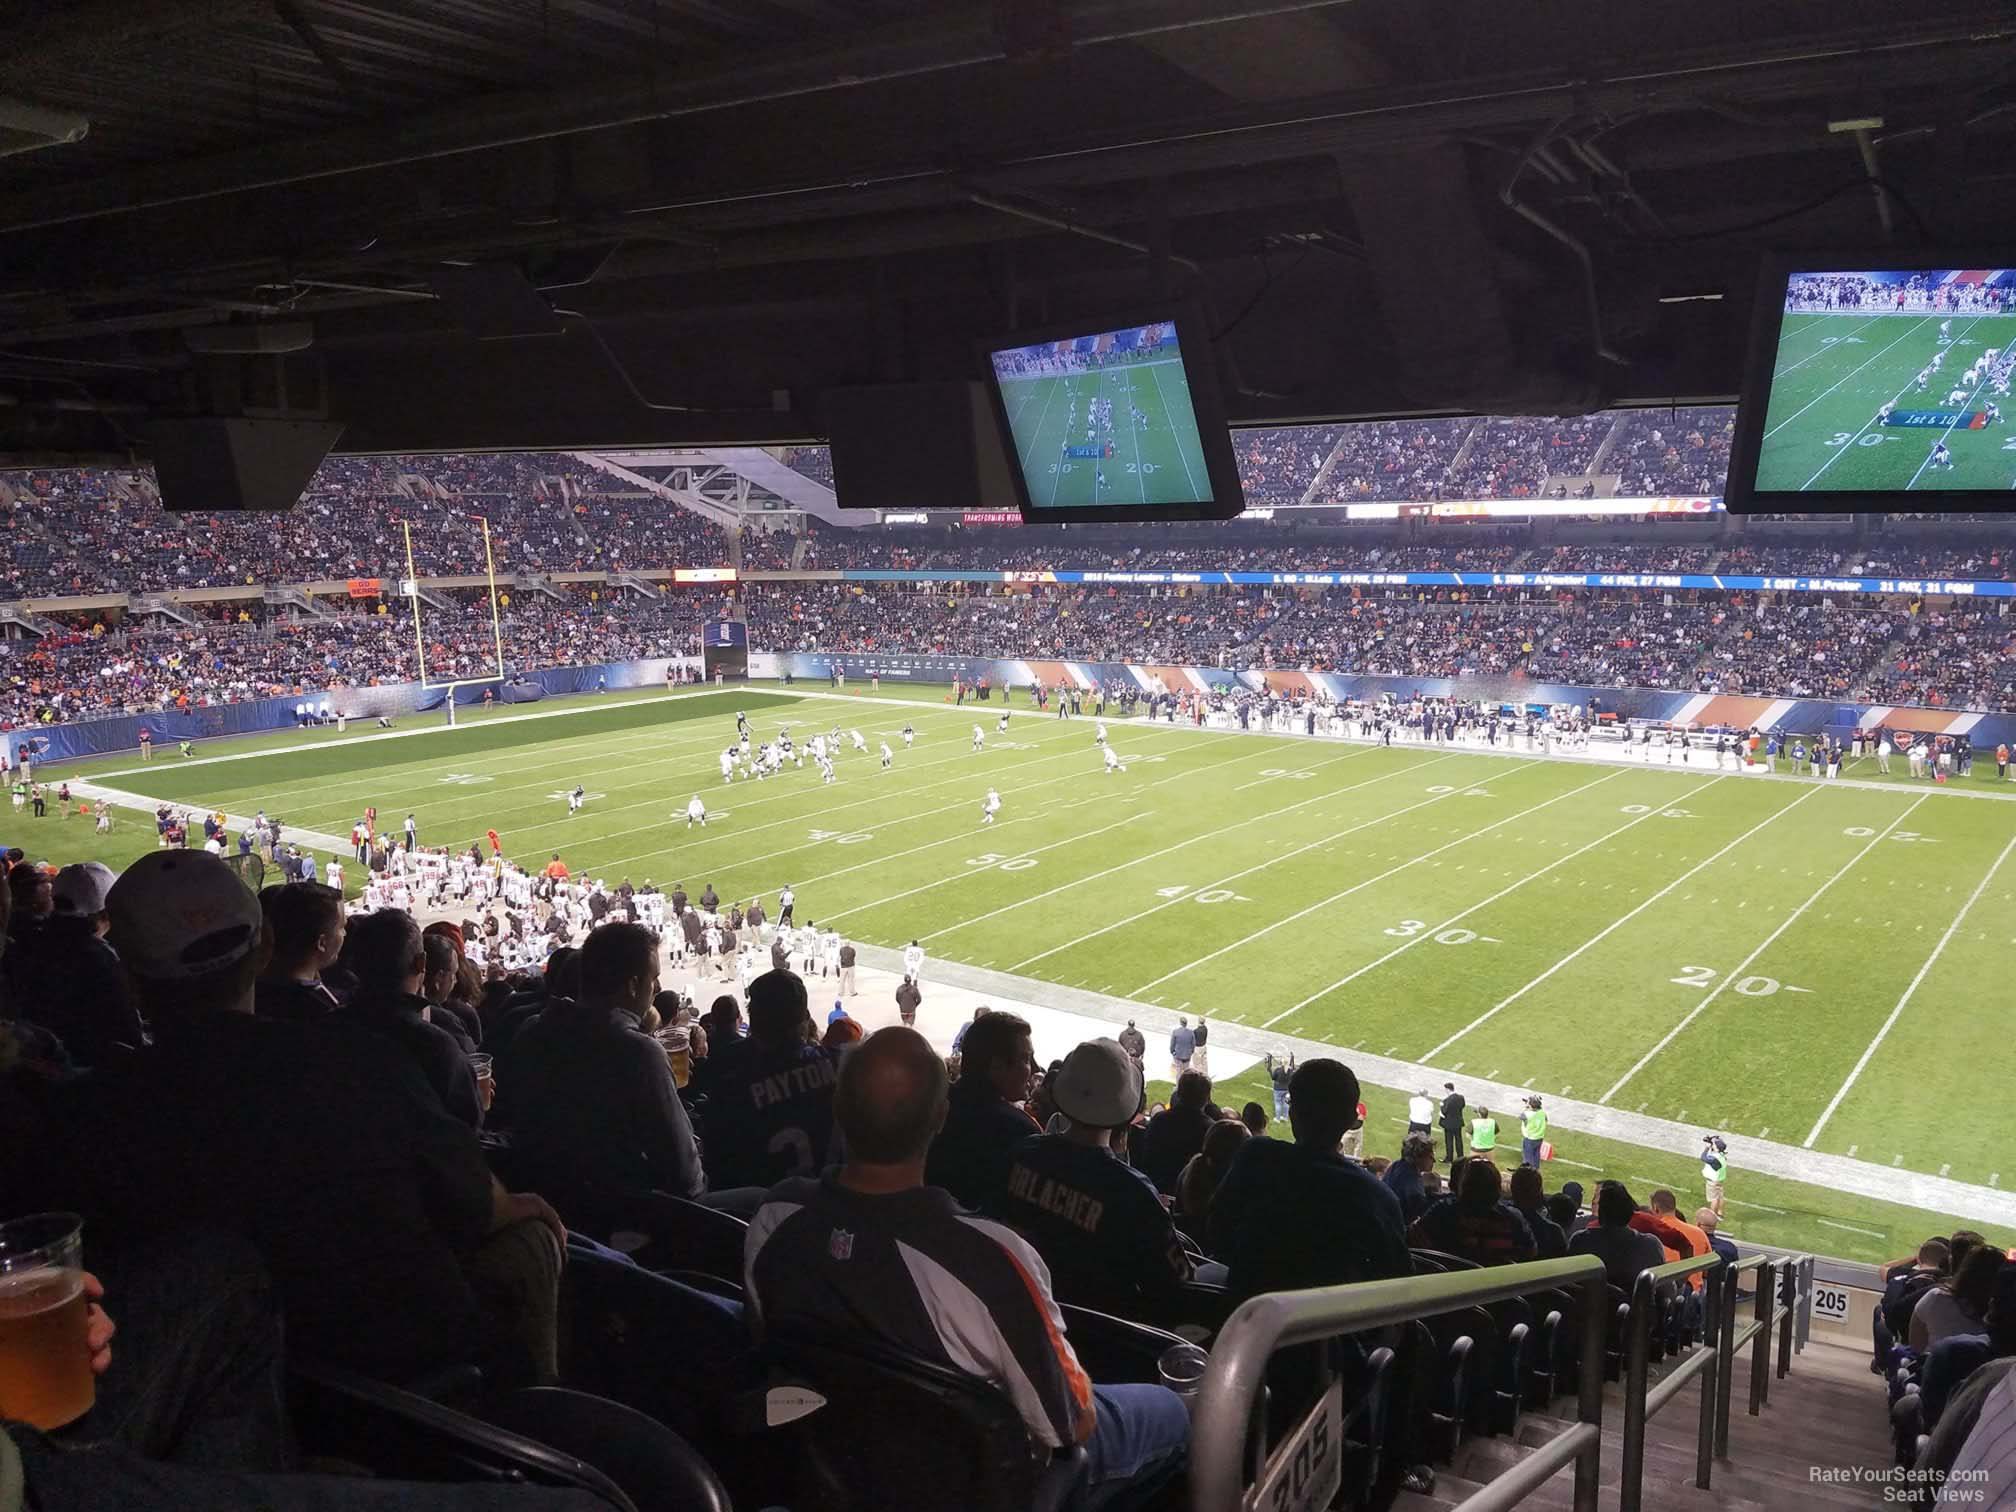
<point x="496" y="845"/>
<point x="1661" y="1219"/>
<point x="2002" y="760"/>
<point x="556" y="868"/>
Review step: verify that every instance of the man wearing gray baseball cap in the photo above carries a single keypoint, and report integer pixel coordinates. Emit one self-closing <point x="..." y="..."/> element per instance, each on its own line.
<point x="393" y="1249"/>
<point x="1098" y="1223"/>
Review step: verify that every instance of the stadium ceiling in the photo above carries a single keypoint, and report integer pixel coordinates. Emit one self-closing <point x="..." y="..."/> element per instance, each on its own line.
<point x="512" y="223"/>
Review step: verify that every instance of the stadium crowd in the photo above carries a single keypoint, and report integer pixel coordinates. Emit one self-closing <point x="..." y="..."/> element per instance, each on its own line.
<point x="1792" y="645"/>
<point x="302" y="1136"/>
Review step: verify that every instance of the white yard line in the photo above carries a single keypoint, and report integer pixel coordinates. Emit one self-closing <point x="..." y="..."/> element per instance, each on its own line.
<point x="1180" y="845"/>
<point x="1824" y="348"/>
<point x="1598" y="938"/>
<point x="1851" y="1228"/>
<point x="945" y="808"/>
<point x="1909" y="992"/>
<point x="1457" y="918"/>
<point x="1952" y="424"/>
<point x="783" y="791"/>
<point x="1842" y="450"/>
<point x="1361" y="885"/>
<point x="1175" y="433"/>
<point x="1790" y="919"/>
<point x="1839" y="381"/>
<point x="974" y="871"/>
<point x="662" y="768"/>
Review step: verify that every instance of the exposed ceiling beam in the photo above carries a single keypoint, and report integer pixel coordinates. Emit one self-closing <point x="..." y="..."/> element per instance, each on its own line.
<point x="961" y="40"/>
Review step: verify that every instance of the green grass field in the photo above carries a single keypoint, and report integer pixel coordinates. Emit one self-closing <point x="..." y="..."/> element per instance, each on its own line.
<point x="1834" y="372"/>
<point x="1155" y="459"/>
<point x="1781" y="959"/>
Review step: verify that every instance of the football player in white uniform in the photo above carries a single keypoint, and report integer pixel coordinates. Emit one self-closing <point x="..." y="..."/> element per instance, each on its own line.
<point x="979" y="738"/>
<point x="990" y="806"/>
<point x="913" y="961"/>
<point x="1113" y="761"/>
<point x="696" y="813"/>
<point x="888" y="756"/>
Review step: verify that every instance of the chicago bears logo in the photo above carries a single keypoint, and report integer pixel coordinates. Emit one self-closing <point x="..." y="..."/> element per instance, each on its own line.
<point x="840" y="1244"/>
<point x="1904" y="739"/>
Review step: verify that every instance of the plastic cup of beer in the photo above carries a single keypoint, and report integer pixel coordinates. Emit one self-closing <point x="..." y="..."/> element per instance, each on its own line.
<point x="45" y="1354"/>
<point x="486" y="1078"/>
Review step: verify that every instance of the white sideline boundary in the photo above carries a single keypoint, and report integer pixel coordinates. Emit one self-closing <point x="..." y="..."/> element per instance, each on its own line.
<point x="1859" y="1178"/>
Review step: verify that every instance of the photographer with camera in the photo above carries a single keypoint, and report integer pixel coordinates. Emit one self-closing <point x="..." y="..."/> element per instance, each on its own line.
<point x="1532" y="1133"/>
<point x="1714" y="1169"/>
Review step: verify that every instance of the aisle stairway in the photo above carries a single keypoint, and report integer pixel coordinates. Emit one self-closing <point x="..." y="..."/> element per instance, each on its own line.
<point x="1827" y="1413"/>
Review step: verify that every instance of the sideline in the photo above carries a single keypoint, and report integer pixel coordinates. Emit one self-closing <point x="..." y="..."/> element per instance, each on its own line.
<point x="1767" y="1157"/>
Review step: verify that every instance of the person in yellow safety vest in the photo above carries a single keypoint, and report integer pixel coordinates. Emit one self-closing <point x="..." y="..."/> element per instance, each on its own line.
<point x="1532" y="1131"/>
<point x="1483" y="1133"/>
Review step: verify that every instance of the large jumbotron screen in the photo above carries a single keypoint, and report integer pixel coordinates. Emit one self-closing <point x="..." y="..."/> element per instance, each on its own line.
<point x="1115" y="423"/>
<point x="1869" y="384"/>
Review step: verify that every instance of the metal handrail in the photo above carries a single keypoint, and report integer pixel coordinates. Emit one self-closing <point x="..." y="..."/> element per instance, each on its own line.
<point x="1236" y="1375"/>
<point x="1642" y="1405"/>
<point x="1732" y="1340"/>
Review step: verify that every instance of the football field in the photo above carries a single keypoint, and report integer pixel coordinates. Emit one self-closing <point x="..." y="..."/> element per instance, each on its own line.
<point x="1152" y="457"/>
<point x="1833" y="374"/>
<point x="1811" y="964"/>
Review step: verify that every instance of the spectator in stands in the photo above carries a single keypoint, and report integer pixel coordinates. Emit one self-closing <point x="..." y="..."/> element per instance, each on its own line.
<point x="986" y="1120"/>
<point x="1958" y="1304"/>
<point x="1529" y="1200"/>
<point x="1475" y="1223"/>
<point x="590" y="1095"/>
<point x="1097" y="1222"/>
<point x="1679" y="1239"/>
<point x="1709" y="1224"/>
<point x="769" y="1112"/>
<point x="1298" y="1214"/>
<point x="63" y="976"/>
<point x="1177" y="1133"/>
<point x="394" y="1249"/>
<point x="872" y="1248"/>
<point x="1624" y="1251"/>
<point x="1205" y="1172"/>
<point x="1906" y="1278"/>
<point x="307" y="922"/>
<point x="386" y="953"/>
<point x="1406" y="1176"/>
<point x="1954" y="1359"/>
<point x="1898" y="1310"/>
<point x="1292" y="1215"/>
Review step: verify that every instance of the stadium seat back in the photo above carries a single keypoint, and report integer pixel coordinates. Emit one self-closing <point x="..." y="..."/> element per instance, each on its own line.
<point x="343" y="1416"/>
<point x="893" y="1424"/>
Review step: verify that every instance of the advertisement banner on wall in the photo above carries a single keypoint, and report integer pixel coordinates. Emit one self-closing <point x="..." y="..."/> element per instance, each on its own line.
<point x="703" y="574"/>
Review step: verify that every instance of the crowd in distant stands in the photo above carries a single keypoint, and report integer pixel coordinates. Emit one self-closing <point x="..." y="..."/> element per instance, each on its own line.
<point x="87" y="673"/>
<point x="87" y="531"/>
<point x="1794" y="645"/>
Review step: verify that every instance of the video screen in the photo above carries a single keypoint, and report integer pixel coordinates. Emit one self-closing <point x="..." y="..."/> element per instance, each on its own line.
<point x="1891" y="382"/>
<point x="1104" y="420"/>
